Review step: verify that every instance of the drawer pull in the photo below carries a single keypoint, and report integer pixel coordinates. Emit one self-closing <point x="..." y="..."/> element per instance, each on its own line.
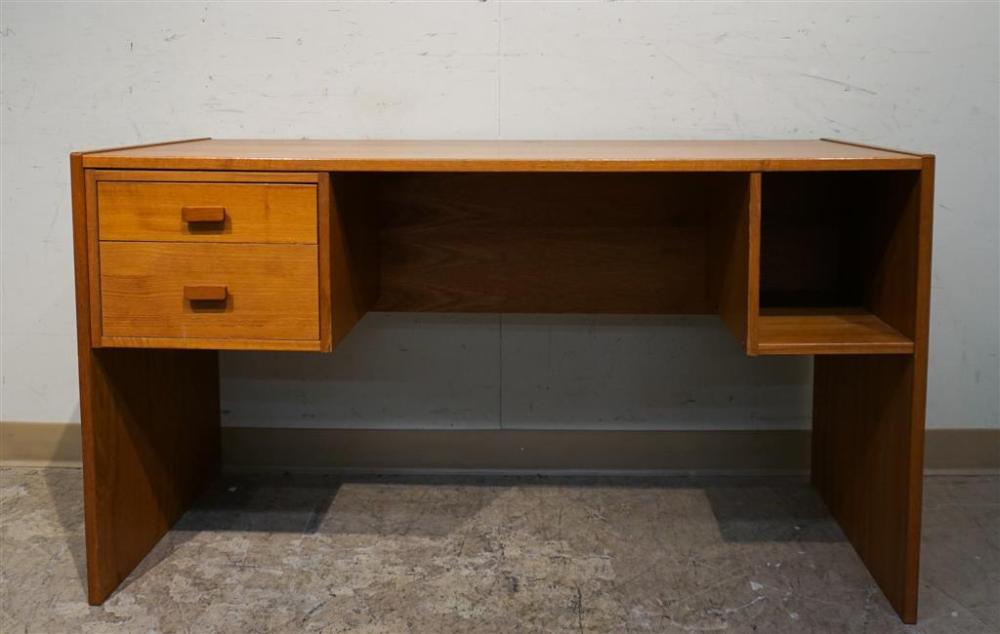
<point x="205" y="293"/>
<point x="203" y="214"/>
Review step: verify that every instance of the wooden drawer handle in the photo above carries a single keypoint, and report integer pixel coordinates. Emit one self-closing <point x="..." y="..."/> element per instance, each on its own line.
<point x="203" y="214"/>
<point x="205" y="293"/>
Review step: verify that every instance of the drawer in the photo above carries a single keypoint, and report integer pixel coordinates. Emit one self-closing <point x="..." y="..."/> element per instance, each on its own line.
<point x="209" y="291"/>
<point x="207" y="212"/>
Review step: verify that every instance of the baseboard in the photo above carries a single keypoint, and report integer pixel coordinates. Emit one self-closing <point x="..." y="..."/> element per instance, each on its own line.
<point x="962" y="451"/>
<point x="518" y="451"/>
<point x="955" y="451"/>
<point x="39" y="444"/>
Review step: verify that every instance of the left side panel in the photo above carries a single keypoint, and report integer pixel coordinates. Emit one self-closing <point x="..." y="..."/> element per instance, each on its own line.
<point x="150" y="424"/>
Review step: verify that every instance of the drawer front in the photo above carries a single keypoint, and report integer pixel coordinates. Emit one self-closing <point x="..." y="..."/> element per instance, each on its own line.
<point x="207" y="212"/>
<point x="211" y="291"/>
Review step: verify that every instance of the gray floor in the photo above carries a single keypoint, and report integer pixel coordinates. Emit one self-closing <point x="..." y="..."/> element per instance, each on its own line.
<point x="298" y="553"/>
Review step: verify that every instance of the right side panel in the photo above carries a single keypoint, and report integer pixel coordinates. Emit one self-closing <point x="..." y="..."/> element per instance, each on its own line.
<point x="868" y="410"/>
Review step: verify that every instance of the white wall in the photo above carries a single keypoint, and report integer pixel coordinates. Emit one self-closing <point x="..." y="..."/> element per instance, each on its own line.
<point x="920" y="76"/>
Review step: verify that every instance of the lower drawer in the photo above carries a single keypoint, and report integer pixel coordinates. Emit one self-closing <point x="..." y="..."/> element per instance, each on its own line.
<point x="209" y="291"/>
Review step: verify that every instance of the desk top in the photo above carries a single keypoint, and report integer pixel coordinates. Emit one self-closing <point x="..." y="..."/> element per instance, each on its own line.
<point x="504" y="156"/>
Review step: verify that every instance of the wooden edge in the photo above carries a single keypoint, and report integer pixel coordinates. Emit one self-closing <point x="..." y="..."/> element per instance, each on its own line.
<point x="141" y="145"/>
<point x="93" y="257"/>
<point x="809" y="349"/>
<point x="903" y="162"/>
<point x="193" y="343"/>
<point x="753" y="263"/>
<point x="323" y="261"/>
<point x="921" y="346"/>
<point x="224" y="176"/>
<point x="491" y="165"/>
<point x="875" y="147"/>
<point x="83" y="342"/>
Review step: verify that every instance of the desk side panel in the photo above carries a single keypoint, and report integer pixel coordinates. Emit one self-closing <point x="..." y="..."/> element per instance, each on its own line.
<point x="150" y="425"/>
<point x="350" y="280"/>
<point x="734" y="260"/>
<point x="868" y="414"/>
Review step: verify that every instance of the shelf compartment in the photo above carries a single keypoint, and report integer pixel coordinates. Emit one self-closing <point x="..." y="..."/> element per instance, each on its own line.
<point x="836" y="264"/>
<point x="827" y="331"/>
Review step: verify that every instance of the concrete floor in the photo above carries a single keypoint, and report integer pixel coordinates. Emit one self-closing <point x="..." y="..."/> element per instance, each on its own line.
<point x="298" y="553"/>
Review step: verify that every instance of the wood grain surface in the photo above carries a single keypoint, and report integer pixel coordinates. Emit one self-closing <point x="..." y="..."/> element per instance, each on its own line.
<point x="734" y="257"/>
<point x="272" y="291"/>
<point x="492" y="155"/>
<point x="352" y="258"/>
<point x="548" y="243"/>
<point x="150" y="427"/>
<point x="868" y="411"/>
<point x="828" y="331"/>
<point x="251" y="212"/>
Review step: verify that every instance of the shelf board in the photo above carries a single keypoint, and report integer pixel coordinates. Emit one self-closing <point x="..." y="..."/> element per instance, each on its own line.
<point x="827" y="331"/>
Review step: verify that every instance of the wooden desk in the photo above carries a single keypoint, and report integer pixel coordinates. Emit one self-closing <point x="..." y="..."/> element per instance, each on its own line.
<point x="802" y="247"/>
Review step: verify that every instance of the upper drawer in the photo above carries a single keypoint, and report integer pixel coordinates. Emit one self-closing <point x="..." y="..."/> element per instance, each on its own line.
<point x="207" y="212"/>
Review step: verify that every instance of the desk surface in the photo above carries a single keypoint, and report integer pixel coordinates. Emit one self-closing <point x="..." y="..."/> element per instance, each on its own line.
<point x="489" y="156"/>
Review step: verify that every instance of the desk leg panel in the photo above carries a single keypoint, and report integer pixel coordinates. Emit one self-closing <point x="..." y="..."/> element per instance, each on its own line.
<point x="867" y="463"/>
<point x="150" y="424"/>
<point x="150" y="445"/>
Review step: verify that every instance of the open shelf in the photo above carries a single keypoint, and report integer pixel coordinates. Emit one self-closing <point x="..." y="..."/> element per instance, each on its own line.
<point x="827" y="331"/>
<point x="829" y="241"/>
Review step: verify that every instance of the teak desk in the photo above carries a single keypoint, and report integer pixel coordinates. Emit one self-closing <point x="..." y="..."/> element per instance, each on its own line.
<point x="802" y="247"/>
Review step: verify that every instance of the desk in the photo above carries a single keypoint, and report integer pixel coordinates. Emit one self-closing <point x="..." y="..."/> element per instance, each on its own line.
<point x="801" y="247"/>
